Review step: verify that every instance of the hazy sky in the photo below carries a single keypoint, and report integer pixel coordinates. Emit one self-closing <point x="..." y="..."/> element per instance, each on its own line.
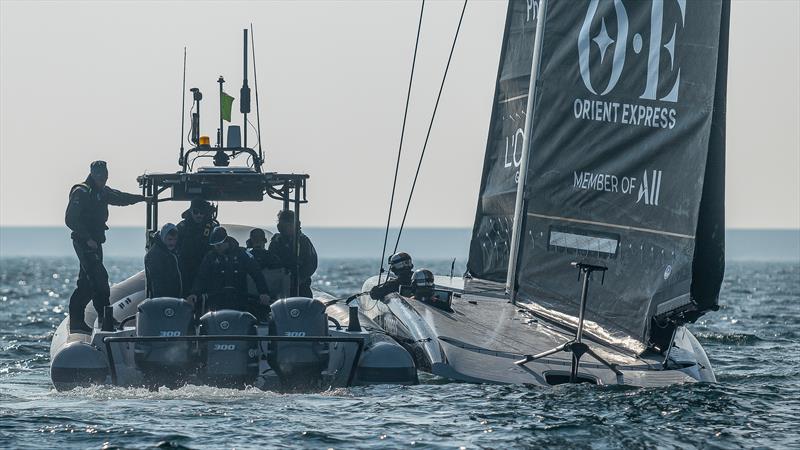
<point x="88" y="80"/>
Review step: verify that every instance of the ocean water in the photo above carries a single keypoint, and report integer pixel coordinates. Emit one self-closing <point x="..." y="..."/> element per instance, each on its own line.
<point x="753" y="342"/>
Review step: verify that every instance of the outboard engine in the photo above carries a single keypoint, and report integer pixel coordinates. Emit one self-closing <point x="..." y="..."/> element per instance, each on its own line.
<point x="229" y="362"/>
<point x="169" y="317"/>
<point x="298" y="362"/>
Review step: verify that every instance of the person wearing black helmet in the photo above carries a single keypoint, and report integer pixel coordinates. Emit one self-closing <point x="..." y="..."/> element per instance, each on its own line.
<point x="402" y="267"/>
<point x="193" y="233"/>
<point x="222" y="277"/>
<point x="281" y="245"/>
<point x="424" y="286"/>
<point x="86" y="216"/>
<point x="256" y="247"/>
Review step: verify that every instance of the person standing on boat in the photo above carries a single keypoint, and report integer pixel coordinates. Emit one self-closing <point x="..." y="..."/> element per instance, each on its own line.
<point x="193" y="233"/>
<point x="222" y="277"/>
<point x="256" y="247"/>
<point x="282" y="246"/>
<point x="161" y="267"/>
<point x="86" y="216"/>
<point x="401" y="265"/>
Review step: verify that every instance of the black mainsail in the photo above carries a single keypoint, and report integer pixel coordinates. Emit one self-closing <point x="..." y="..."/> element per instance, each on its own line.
<point x="626" y="165"/>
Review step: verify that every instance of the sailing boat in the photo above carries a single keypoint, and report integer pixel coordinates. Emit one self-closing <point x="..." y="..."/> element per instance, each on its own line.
<point x="599" y="230"/>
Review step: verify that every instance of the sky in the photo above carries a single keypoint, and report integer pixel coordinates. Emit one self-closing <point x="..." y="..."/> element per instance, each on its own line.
<point x="81" y="81"/>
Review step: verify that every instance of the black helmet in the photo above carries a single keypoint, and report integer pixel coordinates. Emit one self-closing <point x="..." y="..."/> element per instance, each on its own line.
<point x="423" y="283"/>
<point x="399" y="262"/>
<point x="218" y="236"/>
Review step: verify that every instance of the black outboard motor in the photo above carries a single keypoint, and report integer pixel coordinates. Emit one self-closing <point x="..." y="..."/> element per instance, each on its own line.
<point x="163" y="317"/>
<point x="298" y="363"/>
<point x="229" y="362"/>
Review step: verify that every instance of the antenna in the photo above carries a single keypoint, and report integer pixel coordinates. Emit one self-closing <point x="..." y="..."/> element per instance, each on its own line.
<point x="220" y="135"/>
<point x="244" y="96"/>
<point x="183" y="105"/>
<point x="255" y="80"/>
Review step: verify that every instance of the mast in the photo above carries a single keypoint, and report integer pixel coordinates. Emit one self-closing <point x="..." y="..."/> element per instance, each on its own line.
<point x="511" y="277"/>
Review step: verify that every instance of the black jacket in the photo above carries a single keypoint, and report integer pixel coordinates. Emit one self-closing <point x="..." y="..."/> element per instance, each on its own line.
<point x="281" y="246"/>
<point x="87" y="211"/>
<point x="230" y="269"/>
<point x="265" y="258"/>
<point x="162" y="271"/>
<point x="192" y="245"/>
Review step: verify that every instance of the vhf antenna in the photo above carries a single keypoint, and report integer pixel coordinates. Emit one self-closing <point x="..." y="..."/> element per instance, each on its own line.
<point x="244" y="96"/>
<point x="255" y="80"/>
<point x="183" y="106"/>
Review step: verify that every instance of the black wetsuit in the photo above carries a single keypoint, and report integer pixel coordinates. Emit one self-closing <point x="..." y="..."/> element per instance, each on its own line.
<point x="86" y="216"/>
<point x="281" y="246"/>
<point x="401" y="284"/>
<point x="223" y="278"/>
<point x="192" y="247"/>
<point x="162" y="271"/>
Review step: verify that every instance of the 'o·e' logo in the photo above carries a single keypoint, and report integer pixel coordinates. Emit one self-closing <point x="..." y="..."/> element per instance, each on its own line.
<point x="603" y="41"/>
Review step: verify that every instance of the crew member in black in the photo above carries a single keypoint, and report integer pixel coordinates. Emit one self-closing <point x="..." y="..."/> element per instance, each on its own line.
<point x="86" y="216"/>
<point x="161" y="267"/>
<point x="401" y="266"/>
<point x="193" y="233"/>
<point x="222" y="277"/>
<point x="424" y="286"/>
<point x="281" y="245"/>
<point x="256" y="248"/>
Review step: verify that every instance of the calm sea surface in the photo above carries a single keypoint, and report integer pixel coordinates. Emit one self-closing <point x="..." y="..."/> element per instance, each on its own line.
<point x="753" y="342"/>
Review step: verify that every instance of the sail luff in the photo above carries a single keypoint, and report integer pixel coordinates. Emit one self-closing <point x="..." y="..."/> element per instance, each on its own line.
<point x="513" y="260"/>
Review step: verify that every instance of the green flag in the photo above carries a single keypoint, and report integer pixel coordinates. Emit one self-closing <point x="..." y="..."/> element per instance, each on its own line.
<point x="226" y="104"/>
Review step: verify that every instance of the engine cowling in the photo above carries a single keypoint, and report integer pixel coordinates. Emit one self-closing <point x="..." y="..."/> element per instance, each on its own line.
<point x="229" y="362"/>
<point x="298" y="317"/>
<point x="166" y="317"/>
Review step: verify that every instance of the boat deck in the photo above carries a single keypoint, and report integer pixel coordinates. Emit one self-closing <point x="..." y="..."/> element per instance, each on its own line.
<point x="484" y="334"/>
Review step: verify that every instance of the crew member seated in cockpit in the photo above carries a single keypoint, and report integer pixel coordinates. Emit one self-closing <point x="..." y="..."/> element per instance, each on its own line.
<point x="423" y="285"/>
<point x="222" y="277"/>
<point x="256" y="247"/>
<point x="401" y="266"/>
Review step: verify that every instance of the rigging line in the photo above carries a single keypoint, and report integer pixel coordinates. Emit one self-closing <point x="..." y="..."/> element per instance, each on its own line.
<point x="430" y="126"/>
<point x="255" y="81"/>
<point x="256" y="131"/>
<point x="400" y="148"/>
